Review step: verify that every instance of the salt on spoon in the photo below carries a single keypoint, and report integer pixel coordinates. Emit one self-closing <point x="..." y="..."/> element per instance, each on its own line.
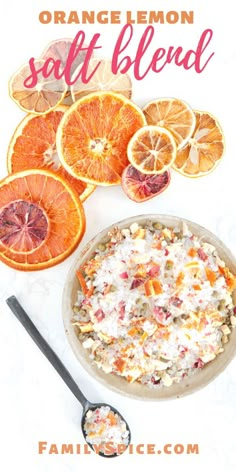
<point x="104" y="428"/>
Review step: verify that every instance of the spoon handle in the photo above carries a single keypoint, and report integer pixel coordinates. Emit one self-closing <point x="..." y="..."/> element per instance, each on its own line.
<point x="44" y="347"/>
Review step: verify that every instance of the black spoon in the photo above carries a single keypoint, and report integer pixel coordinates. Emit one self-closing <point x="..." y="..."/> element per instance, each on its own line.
<point x="44" y="347"/>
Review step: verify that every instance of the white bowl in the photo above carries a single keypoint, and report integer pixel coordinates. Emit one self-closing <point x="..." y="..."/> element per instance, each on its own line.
<point x="117" y="383"/>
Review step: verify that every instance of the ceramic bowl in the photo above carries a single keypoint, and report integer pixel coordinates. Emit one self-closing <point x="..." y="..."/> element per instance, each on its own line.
<point x="117" y="383"/>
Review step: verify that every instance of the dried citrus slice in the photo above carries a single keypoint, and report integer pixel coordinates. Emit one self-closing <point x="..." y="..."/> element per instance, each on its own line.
<point x="173" y="114"/>
<point x="93" y="135"/>
<point x="204" y="150"/>
<point x="140" y="187"/>
<point x="33" y="146"/>
<point x="19" y="237"/>
<point x="43" y="97"/>
<point x="59" y="50"/>
<point x="152" y="150"/>
<point x="103" y="79"/>
<point x="41" y="220"/>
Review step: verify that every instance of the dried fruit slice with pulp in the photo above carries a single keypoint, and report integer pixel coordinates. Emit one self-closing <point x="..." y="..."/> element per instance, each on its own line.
<point x="43" y="97"/>
<point x="152" y="150"/>
<point x="19" y="237"/>
<point x="93" y="135"/>
<point x="204" y="150"/>
<point x="41" y="220"/>
<point x="33" y="146"/>
<point x="59" y="50"/>
<point x="140" y="187"/>
<point x="102" y="79"/>
<point x="173" y="114"/>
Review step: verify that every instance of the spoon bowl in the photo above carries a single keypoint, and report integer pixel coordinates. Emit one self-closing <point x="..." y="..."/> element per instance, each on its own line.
<point x="93" y="407"/>
<point x="52" y="357"/>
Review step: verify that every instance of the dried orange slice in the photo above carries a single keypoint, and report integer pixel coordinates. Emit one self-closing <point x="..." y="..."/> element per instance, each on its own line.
<point x="33" y="146"/>
<point x="204" y="150"/>
<point x="173" y="114"/>
<point x="93" y="135"/>
<point x="152" y="150"/>
<point x="59" y="50"/>
<point x="103" y="79"/>
<point x="41" y="220"/>
<point x="42" y="98"/>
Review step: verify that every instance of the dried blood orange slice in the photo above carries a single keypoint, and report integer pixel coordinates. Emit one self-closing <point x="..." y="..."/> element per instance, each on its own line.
<point x="23" y="226"/>
<point x="59" y="50"/>
<point x="173" y="114"/>
<point x="33" y="146"/>
<point x="102" y="79"/>
<point x="204" y="150"/>
<point x="41" y="220"/>
<point x="152" y="150"/>
<point x="93" y="135"/>
<point x="140" y="187"/>
<point x="43" y="97"/>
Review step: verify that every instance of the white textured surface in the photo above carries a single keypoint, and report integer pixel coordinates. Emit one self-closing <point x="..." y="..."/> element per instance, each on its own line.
<point x="35" y="405"/>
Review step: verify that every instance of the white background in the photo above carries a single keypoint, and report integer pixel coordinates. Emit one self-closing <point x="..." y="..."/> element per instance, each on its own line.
<point x="35" y="405"/>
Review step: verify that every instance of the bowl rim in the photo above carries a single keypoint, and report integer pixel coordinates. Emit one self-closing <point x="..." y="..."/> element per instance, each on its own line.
<point x="177" y="390"/>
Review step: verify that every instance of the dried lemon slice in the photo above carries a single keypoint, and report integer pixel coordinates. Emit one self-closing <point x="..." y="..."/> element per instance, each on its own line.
<point x="152" y="150"/>
<point x="204" y="150"/>
<point x="173" y="114"/>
